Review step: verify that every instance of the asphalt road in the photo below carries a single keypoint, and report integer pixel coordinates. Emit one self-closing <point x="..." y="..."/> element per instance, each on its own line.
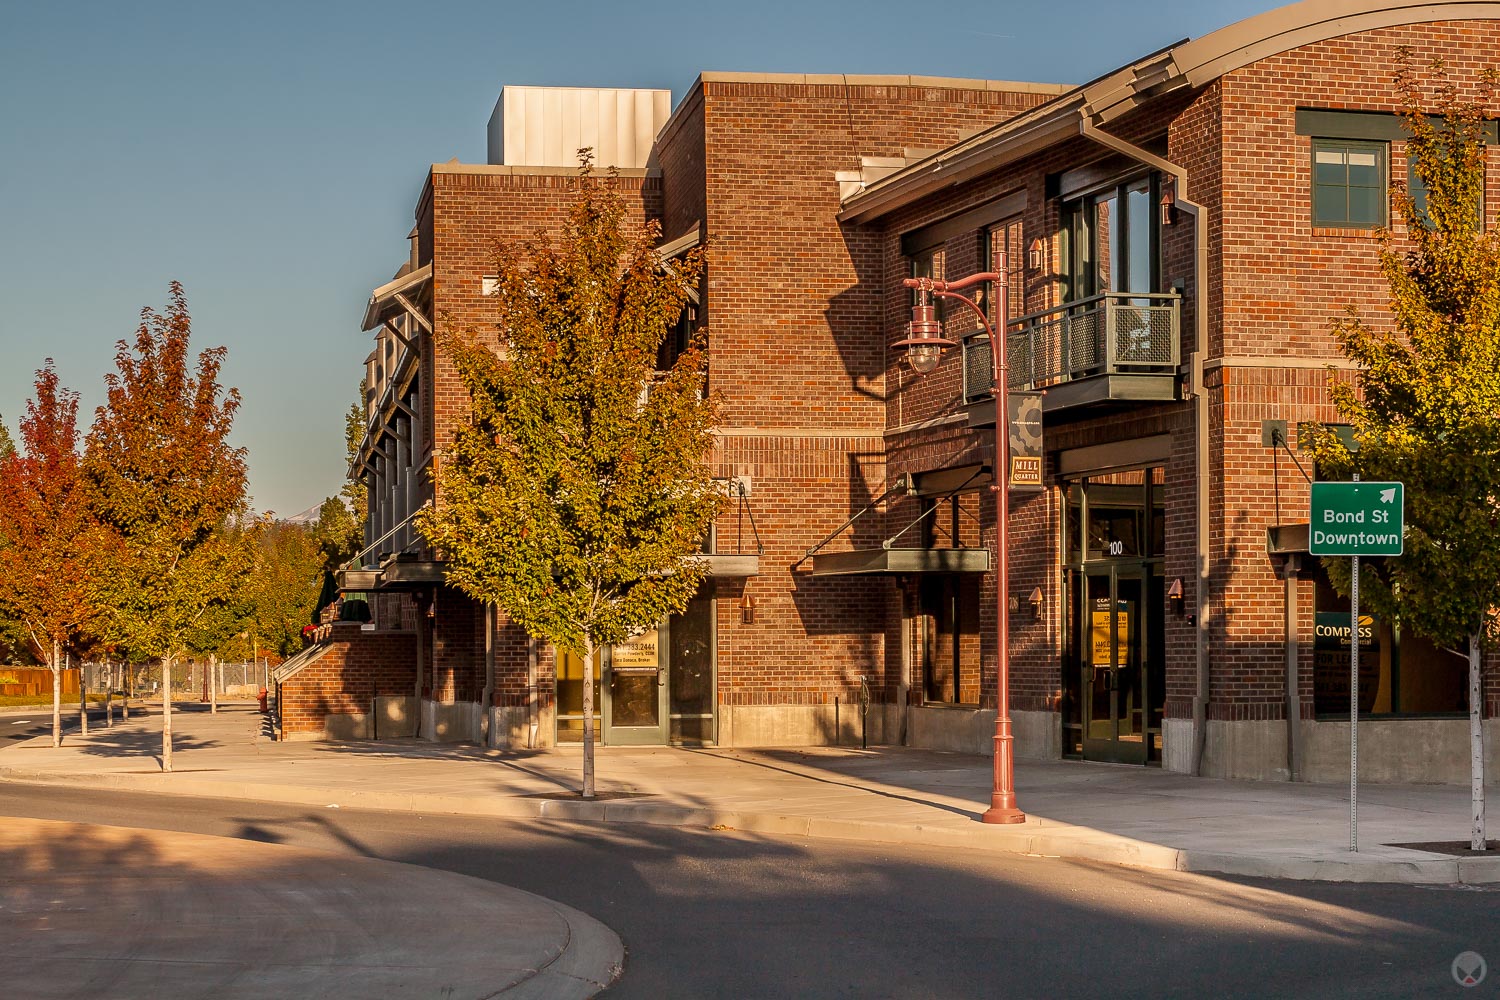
<point x="720" y="913"/>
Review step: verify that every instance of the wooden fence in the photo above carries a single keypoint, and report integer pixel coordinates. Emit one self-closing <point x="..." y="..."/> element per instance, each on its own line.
<point x="35" y="681"/>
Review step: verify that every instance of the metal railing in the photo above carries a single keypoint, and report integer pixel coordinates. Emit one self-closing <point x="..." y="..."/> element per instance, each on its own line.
<point x="1109" y="334"/>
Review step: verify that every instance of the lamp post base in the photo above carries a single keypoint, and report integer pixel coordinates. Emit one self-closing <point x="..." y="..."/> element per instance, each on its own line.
<point x="1003" y="800"/>
<point x="1003" y="814"/>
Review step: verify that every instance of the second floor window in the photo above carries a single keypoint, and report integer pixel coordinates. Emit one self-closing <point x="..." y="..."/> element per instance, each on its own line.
<point x="1114" y="240"/>
<point x="1349" y="183"/>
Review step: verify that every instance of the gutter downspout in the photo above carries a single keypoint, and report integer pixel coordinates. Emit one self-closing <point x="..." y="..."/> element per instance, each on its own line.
<point x="486" y="713"/>
<point x="1199" y="213"/>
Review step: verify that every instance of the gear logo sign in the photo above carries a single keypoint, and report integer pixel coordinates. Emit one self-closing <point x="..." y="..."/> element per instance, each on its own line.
<point x="1469" y="969"/>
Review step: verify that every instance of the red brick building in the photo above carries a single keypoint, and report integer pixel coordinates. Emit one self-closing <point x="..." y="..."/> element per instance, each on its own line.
<point x="1179" y="234"/>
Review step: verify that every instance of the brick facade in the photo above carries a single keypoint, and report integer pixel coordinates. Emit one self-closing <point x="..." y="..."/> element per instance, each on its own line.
<point x="823" y="416"/>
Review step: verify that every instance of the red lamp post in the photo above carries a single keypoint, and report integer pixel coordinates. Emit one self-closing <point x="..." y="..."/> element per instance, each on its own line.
<point x="924" y="346"/>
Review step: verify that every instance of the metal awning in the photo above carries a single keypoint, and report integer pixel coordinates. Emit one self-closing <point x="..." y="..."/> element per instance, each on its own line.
<point x="385" y="301"/>
<point x="357" y="580"/>
<point x="732" y="565"/>
<point x="398" y="573"/>
<point x="877" y="562"/>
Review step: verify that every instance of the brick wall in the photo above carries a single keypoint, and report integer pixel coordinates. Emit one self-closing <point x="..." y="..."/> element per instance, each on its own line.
<point x="358" y="667"/>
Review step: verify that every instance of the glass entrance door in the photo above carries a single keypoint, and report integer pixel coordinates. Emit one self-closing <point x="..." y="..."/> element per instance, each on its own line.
<point x="635" y="711"/>
<point x="1115" y="690"/>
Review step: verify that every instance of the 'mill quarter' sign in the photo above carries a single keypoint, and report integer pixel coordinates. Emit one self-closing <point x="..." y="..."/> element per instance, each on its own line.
<point x="1357" y="519"/>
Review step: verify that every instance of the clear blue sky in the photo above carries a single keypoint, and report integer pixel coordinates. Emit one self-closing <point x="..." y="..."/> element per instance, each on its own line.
<point x="269" y="155"/>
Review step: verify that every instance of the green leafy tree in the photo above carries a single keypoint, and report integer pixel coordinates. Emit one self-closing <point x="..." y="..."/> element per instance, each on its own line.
<point x="7" y="445"/>
<point x="1425" y="400"/>
<point x="169" y="489"/>
<point x="48" y="536"/>
<point x="340" y="530"/>
<point x="573" y="498"/>
<point x="284" y="588"/>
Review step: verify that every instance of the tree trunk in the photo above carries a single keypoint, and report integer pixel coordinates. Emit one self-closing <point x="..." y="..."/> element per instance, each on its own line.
<point x="109" y="695"/>
<point x="588" y="717"/>
<point x="213" y="685"/>
<point x="83" y="702"/>
<point x="56" y="666"/>
<point x="127" y="677"/>
<point x="166" y="713"/>
<point x="1476" y="746"/>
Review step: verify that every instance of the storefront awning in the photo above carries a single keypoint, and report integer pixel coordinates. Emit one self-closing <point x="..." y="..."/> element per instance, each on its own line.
<point x="877" y="562"/>
<point x="721" y="566"/>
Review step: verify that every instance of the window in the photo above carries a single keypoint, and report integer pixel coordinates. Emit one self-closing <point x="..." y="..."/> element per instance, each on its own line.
<point x="1399" y="674"/>
<point x="1009" y="235"/>
<point x="950" y="639"/>
<point x="1349" y="183"/>
<point x="1418" y="192"/>
<point x="1113" y="240"/>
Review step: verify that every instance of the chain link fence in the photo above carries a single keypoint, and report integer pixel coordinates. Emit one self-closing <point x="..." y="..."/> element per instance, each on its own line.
<point x="231" y="681"/>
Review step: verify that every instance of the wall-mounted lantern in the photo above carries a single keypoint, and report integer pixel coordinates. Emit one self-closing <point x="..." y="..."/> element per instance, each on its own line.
<point x="747" y="610"/>
<point x="1168" y="205"/>
<point x="1174" y="596"/>
<point x="1035" y="600"/>
<point x="1036" y="254"/>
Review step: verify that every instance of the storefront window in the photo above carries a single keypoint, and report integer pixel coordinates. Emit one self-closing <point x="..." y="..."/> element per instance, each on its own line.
<point x="950" y="639"/>
<point x="1398" y="674"/>
<point x="691" y="671"/>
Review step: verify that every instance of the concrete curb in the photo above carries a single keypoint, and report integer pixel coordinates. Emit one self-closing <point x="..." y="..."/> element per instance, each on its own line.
<point x="1046" y="838"/>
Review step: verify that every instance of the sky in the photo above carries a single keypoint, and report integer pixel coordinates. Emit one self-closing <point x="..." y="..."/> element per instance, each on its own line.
<point x="269" y="155"/>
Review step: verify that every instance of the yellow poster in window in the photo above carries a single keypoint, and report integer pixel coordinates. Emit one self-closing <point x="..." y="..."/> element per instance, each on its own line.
<point x="1100" y="638"/>
<point x="638" y="652"/>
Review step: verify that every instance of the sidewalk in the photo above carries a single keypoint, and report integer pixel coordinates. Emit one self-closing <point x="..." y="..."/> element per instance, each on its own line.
<point x="1133" y="816"/>
<point x="99" y="911"/>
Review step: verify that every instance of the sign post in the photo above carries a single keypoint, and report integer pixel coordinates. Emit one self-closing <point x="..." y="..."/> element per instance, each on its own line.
<point x="1356" y="519"/>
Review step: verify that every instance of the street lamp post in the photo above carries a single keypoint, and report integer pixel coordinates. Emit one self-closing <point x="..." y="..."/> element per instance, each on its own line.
<point x="924" y="346"/>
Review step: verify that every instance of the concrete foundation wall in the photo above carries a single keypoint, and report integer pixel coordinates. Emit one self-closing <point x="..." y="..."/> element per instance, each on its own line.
<point x="1399" y="750"/>
<point x="802" y="725"/>
<point x="1177" y="745"/>
<point x="510" y="729"/>
<point x="1255" y="750"/>
<point x="963" y="730"/>
<point x="1434" y="751"/>
<point x="1038" y="735"/>
<point x="451" y="722"/>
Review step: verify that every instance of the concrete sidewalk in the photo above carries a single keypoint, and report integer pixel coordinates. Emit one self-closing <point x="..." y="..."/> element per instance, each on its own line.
<point x="98" y="911"/>
<point x="1126" y="815"/>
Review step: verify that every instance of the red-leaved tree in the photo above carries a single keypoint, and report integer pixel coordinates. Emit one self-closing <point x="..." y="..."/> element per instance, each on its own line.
<point x="169" y="491"/>
<point x="48" y="537"/>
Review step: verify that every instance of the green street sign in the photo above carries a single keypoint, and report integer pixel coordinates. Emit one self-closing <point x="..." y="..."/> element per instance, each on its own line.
<point x="1357" y="519"/>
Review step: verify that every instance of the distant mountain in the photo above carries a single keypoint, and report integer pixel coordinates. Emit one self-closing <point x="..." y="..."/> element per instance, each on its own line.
<point x="308" y="516"/>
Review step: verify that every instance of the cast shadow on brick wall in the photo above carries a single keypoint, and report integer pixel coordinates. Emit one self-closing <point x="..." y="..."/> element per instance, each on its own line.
<point x="856" y="317"/>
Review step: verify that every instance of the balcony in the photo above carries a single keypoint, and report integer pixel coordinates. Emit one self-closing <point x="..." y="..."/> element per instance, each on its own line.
<point x="1107" y="349"/>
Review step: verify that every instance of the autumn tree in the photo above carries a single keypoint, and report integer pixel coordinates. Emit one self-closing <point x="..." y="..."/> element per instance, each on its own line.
<point x="578" y="491"/>
<point x="1425" y="400"/>
<point x="340" y="529"/>
<point x="284" y="587"/>
<point x="169" y="489"/>
<point x="48" y="551"/>
<point x="7" y="444"/>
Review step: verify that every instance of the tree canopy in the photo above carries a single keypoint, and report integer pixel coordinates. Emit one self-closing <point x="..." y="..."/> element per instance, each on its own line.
<point x="579" y="490"/>
<point x="168" y="488"/>
<point x="1424" y="403"/>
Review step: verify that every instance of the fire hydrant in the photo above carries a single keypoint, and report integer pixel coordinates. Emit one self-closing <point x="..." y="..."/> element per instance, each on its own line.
<point x="263" y="706"/>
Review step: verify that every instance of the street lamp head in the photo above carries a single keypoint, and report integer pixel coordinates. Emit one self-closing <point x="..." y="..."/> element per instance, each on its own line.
<point x="924" y="341"/>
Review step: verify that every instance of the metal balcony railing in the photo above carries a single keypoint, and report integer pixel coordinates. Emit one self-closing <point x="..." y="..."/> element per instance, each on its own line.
<point x="1116" y="333"/>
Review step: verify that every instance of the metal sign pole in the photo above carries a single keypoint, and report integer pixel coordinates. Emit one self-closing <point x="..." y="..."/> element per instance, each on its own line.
<point x="1354" y="701"/>
<point x="1354" y="706"/>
